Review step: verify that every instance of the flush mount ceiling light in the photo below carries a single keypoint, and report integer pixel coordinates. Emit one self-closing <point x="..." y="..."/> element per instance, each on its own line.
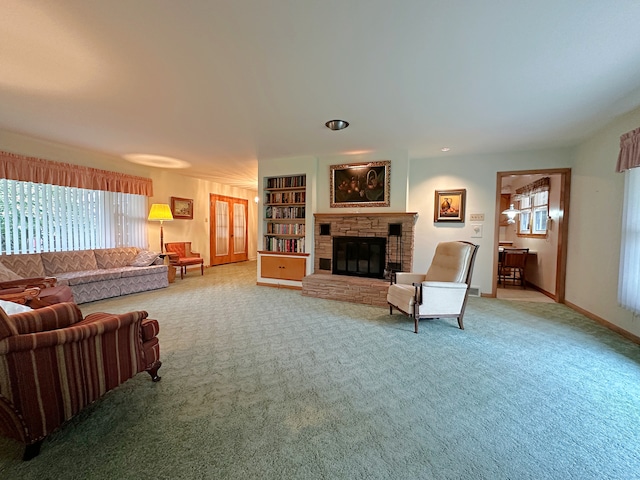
<point x="156" y="160"/>
<point x="337" y="124"/>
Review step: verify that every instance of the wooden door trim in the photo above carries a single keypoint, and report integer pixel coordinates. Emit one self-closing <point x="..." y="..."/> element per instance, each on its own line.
<point x="563" y="226"/>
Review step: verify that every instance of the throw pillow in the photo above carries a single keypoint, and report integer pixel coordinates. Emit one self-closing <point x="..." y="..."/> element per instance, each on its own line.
<point x="10" y="307"/>
<point x="144" y="259"/>
<point x="7" y="275"/>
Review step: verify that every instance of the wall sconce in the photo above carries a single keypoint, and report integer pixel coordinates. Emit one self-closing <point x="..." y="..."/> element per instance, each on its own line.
<point x="511" y="214"/>
<point x="160" y="212"/>
<point x="256" y="199"/>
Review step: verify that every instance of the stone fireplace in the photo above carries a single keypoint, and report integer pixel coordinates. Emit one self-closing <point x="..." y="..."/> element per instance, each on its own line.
<point x="359" y="256"/>
<point x="359" y="280"/>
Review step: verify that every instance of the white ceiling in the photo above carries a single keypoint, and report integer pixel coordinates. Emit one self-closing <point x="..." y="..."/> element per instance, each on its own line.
<point x="223" y="83"/>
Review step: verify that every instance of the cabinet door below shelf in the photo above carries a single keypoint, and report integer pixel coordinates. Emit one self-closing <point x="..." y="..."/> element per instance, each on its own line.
<point x="283" y="268"/>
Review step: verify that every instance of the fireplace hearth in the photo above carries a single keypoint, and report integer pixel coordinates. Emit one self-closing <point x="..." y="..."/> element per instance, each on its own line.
<point x="359" y="256"/>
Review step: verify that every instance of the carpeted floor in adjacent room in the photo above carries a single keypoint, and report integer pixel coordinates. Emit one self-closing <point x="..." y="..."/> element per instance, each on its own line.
<point x="262" y="383"/>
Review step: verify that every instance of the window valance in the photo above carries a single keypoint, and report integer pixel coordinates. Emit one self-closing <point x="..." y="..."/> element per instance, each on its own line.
<point x="540" y="185"/>
<point x="629" y="156"/>
<point x="36" y="170"/>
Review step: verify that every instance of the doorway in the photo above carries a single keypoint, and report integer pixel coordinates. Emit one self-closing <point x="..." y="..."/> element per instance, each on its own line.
<point x="554" y="260"/>
<point x="228" y="229"/>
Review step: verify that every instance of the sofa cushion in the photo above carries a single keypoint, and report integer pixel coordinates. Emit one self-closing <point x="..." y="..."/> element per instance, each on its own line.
<point x="75" y="261"/>
<point x="126" y="272"/>
<point x="144" y="259"/>
<point x="26" y="265"/>
<point x="7" y="274"/>
<point x="88" y="276"/>
<point x="115" y="257"/>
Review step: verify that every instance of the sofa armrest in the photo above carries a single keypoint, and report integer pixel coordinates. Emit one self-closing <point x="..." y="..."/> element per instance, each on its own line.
<point x="60" y="315"/>
<point x="407" y="278"/>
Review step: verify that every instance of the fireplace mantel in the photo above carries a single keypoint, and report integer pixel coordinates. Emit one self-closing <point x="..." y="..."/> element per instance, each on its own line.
<point x="394" y="215"/>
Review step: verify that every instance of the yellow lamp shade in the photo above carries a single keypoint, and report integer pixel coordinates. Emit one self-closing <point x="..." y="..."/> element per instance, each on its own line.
<point x="160" y="212"/>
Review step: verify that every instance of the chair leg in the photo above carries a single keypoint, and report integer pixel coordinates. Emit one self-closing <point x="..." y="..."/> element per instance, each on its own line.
<point x="390" y="310"/>
<point x="32" y="450"/>
<point x="153" y="371"/>
<point x="460" y="324"/>
<point x="202" y="269"/>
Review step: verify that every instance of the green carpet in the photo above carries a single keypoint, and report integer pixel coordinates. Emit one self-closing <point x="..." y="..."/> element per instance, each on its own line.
<point x="262" y="383"/>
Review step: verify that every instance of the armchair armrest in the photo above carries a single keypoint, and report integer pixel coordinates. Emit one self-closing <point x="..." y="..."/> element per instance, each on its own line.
<point x="21" y="296"/>
<point x="407" y="278"/>
<point x="40" y="282"/>
<point x="434" y="285"/>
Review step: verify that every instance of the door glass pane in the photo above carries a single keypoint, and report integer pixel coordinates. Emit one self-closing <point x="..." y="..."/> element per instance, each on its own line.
<point x="239" y="228"/>
<point x="222" y="228"/>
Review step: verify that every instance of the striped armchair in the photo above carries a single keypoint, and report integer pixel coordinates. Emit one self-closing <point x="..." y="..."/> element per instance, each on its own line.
<point x="53" y="363"/>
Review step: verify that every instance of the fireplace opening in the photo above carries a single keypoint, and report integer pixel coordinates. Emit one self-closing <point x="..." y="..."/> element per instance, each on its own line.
<point x="359" y="256"/>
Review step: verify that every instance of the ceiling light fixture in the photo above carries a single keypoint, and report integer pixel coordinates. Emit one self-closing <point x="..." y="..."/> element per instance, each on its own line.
<point x="337" y="124"/>
<point x="511" y="214"/>
<point x="445" y="149"/>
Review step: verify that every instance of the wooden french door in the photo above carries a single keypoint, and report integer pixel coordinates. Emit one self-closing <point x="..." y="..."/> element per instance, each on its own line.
<point x="228" y="234"/>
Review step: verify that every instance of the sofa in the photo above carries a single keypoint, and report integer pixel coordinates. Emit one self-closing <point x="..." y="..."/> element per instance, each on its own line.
<point x="54" y="362"/>
<point x="94" y="274"/>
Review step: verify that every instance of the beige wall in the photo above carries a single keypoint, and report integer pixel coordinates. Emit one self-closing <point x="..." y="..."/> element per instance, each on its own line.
<point x="165" y="185"/>
<point x="477" y="174"/>
<point x="595" y="226"/>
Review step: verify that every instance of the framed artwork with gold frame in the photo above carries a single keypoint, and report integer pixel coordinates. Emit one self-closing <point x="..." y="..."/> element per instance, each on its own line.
<point x="449" y="205"/>
<point x="182" y="208"/>
<point x="360" y="184"/>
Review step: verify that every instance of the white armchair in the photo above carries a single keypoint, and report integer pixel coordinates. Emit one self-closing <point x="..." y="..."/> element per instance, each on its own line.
<point x="442" y="291"/>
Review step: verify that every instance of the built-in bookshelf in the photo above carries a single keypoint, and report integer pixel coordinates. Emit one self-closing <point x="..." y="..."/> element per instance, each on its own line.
<point x="285" y="211"/>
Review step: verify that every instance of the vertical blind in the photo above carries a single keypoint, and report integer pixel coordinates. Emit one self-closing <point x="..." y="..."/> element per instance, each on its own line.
<point x="629" y="276"/>
<point x="36" y="217"/>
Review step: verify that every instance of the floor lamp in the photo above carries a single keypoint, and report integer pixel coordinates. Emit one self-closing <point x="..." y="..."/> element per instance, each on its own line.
<point x="160" y="212"/>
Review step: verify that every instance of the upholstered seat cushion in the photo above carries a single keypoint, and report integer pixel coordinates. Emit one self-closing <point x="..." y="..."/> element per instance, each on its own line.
<point x="188" y="261"/>
<point x="87" y="276"/>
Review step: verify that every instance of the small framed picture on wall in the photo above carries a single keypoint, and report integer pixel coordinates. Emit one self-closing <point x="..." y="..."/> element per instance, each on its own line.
<point x="182" y="208"/>
<point x="449" y="206"/>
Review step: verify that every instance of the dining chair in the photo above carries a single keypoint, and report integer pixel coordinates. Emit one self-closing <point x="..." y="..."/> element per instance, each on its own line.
<point x="512" y="268"/>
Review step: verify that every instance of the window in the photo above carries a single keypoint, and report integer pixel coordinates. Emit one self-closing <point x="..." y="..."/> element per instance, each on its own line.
<point x="534" y="210"/>
<point x="35" y="218"/>
<point x="629" y="277"/>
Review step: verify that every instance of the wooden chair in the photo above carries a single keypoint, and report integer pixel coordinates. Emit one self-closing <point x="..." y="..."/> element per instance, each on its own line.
<point x="512" y="268"/>
<point x="180" y="255"/>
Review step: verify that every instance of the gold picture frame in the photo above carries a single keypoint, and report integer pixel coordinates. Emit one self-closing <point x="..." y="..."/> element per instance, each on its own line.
<point x="449" y="205"/>
<point x="360" y="184"/>
<point x="182" y="208"/>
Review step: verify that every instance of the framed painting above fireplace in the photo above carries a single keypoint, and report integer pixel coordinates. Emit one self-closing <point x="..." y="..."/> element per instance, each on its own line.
<point x="360" y="184"/>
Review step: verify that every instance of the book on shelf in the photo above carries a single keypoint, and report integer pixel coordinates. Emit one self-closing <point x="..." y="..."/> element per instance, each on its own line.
<point x="287" y="182"/>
